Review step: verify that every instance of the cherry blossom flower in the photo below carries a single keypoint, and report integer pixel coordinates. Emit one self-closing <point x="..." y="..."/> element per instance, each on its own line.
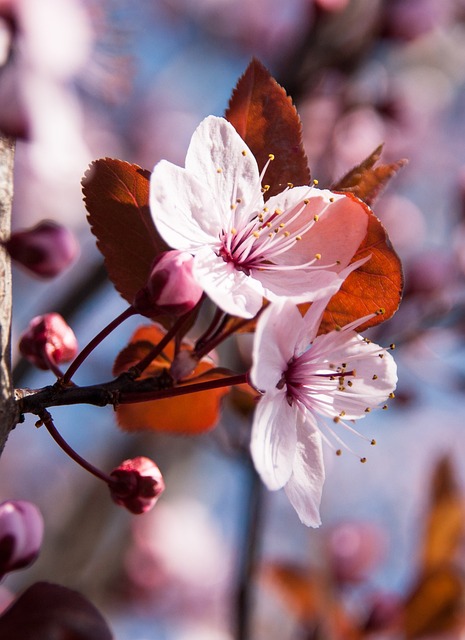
<point x="298" y="244"/>
<point x="305" y="377"/>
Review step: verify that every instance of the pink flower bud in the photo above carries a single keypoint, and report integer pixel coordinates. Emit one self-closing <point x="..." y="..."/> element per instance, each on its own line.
<point x="21" y="532"/>
<point x="171" y="287"/>
<point x="48" y="337"/>
<point x="137" y="484"/>
<point x="45" y="250"/>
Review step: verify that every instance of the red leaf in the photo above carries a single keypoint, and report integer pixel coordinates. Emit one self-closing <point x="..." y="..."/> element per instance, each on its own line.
<point x="189" y="414"/>
<point x="375" y="285"/>
<point x="266" y="119"/>
<point x="367" y="181"/>
<point x="116" y="195"/>
<point x="48" y="610"/>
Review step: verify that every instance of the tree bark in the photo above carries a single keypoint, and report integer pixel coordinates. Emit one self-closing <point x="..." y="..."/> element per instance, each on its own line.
<point x="8" y="411"/>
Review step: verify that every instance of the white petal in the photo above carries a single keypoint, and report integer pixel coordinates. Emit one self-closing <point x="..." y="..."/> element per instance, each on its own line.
<point x="221" y="160"/>
<point x="305" y="485"/>
<point x="300" y="285"/>
<point x="182" y="208"/>
<point x="231" y="289"/>
<point x="274" y="439"/>
<point x="375" y="379"/>
<point x="274" y="343"/>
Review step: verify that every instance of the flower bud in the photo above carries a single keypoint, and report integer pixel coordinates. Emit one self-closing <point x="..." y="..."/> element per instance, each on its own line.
<point x="171" y="287"/>
<point x="46" y="249"/>
<point x="21" y="532"/>
<point x="48" y="337"/>
<point x="137" y="484"/>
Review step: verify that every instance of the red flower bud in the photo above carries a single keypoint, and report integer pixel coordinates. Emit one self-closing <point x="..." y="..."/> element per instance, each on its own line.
<point x="137" y="484"/>
<point x="45" y="250"/>
<point x="21" y="532"/>
<point x="48" y="337"/>
<point x="171" y="287"/>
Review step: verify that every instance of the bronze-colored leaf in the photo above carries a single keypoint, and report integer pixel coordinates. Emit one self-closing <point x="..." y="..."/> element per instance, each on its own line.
<point x="116" y="195"/>
<point x="377" y="284"/>
<point x="367" y="181"/>
<point x="266" y="119"/>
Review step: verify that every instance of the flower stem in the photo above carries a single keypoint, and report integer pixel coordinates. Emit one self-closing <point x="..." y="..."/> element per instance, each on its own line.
<point x="74" y="366"/>
<point x="250" y="552"/>
<point x="47" y="420"/>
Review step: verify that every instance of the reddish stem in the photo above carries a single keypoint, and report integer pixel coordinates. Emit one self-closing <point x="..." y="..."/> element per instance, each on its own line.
<point x="47" y="420"/>
<point x="130" y="398"/>
<point x="77" y="362"/>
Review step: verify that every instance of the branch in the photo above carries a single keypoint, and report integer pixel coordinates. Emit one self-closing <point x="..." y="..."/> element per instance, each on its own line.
<point x="8" y="411"/>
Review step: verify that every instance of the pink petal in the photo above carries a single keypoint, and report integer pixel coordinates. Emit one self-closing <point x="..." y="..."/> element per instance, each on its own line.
<point x="232" y="290"/>
<point x="182" y="208"/>
<point x="274" y="439"/>
<point x="305" y="485"/>
<point x="215" y="145"/>
<point x="341" y="228"/>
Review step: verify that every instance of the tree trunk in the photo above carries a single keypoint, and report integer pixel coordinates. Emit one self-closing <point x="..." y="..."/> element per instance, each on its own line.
<point x="8" y="414"/>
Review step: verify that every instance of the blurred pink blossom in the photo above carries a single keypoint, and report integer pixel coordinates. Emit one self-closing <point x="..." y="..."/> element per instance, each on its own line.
<point x="48" y="339"/>
<point x="21" y="532"/>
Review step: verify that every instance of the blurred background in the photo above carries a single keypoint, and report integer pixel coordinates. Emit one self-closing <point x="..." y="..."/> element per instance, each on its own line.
<point x="108" y="78"/>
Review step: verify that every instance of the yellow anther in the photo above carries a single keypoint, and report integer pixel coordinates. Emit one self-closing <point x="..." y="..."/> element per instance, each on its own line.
<point x="287" y="234"/>
<point x="271" y="156"/>
<point x="392" y="395"/>
<point x="342" y="414"/>
<point x="315" y="182"/>
<point x="381" y="355"/>
<point x="244" y="152"/>
<point x="385" y="407"/>
<point x="338" y="452"/>
<point x="317" y="256"/>
<point x="265" y="209"/>
<point x="298" y="237"/>
<point x="367" y="410"/>
<point x="373" y="442"/>
<point x="349" y="383"/>
<point x="278" y="212"/>
<point x="256" y="234"/>
<point x="392" y="346"/>
<point x="233" y="231"/>
<point x="270" y="235"/>
<point x="282" y="225"/>
<point x="290" y="185"/>
<point x="306" y="201"/>
<point x="375" y="377"/>
<point x="238" y="200"/>
<point x="381" y="311"/>
<point x="219" y="170"/>
<point x="268" y="224"/>
<point x="331" y="199"/>
<point x="316" y="218"/>
<point x="363" y="460"/>
<point x="336" y="419"/>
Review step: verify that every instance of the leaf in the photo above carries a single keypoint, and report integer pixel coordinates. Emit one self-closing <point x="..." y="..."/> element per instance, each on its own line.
<point x="183" y="415"/>
<point x="435" y="603"/>
<point x="266" y="119"/>
<point x="367" y="181"/>
<point x="377" y="284"/>
<point x="116" y="195"/>
<point x="48" y="610"/>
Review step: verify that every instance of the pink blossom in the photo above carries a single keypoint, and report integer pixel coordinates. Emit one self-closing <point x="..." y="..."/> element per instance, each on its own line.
<point x="298" y="244"/>
<point x="171" y="287"/>
<point x="137" y="484"/>
<point x="304" y="378"/>
<point x="21" y="531"/>
<point x="48" y="339"/>
<point x="45" y="250"/>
